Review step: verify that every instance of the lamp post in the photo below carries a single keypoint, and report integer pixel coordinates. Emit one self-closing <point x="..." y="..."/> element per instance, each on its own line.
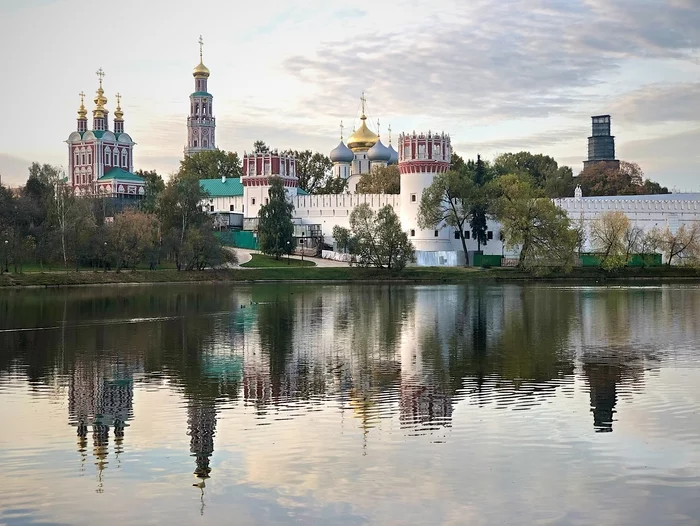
<point x="302" y="248"/>
<point x="6" y="256"/>
<point x="104" y="262"/>
<point x="288" y="252"/>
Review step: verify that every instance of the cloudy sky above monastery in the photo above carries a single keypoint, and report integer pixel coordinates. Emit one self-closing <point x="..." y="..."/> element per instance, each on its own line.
<point x="498" y="75"/>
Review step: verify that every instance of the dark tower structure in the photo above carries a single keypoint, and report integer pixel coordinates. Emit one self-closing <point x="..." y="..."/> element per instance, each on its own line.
<point x="601" y="145"/>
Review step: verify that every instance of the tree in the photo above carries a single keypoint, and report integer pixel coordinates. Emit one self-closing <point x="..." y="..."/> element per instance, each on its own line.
<point x="275" y="228"/>
<point x="605" y="179"/>
<point x="534" y="223"/>
<point x="80" y="229"/>
<point x="260" y="147"/>
<point x="684" y="243"/>
<point x="131" y="236"/>
<point x="314" y="171"/>
<point x="179" y="208"/>
<point x="379" y="240"/>
<point x="212" y="164"/>
<point x="479" y="202"/>
<point x="380" y="180"/>
<point x="609" y="236"/>
<point x="152" y="189"/>
<point x="543" y="171"/>
<point x="342" y="237"/>
<point x="447" y="201"/>
<point x="202" y="249"/>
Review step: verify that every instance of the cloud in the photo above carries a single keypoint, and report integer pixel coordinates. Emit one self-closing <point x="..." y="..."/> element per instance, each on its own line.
<point x="660" y="103"/>
<point x="499" y="60"/>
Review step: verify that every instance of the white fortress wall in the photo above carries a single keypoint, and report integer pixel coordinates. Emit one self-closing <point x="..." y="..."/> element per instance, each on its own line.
<point x="335" y="209"/>
<point x="645" y="212"/>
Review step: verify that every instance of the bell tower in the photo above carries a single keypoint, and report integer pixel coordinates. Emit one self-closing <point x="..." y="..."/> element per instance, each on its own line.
<point x="201" y="124"/>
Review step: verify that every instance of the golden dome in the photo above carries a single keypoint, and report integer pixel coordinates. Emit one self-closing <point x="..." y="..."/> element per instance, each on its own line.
<point x="201" y="71"/>
<point x="118" y="113"/>
<point x="363" y="138"/>
<point x="82" y="112"/>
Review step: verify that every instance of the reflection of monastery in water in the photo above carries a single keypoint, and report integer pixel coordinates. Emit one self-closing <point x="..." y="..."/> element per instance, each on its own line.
<point x="406" y="353"/>
<point x="100" y="400"/>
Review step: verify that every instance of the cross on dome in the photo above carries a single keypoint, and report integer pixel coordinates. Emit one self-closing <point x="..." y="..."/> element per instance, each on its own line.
<point x="341" y="130"/>
<point x="201" y="46"/>
<point x="100" y="75"/>
<point x="364" y="101"/>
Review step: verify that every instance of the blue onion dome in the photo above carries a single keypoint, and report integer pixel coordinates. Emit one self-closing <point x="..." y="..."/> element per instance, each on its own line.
<point x="394" y="159"/>
<point x="342" y="154"/>
<point x="379" y="153"/>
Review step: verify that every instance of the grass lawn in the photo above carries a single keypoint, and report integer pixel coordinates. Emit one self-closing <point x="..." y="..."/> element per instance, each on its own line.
<point x="262" y="261"/>
<point x="283" y="273"/>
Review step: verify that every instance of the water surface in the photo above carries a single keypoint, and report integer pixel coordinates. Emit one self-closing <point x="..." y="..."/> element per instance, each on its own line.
<point x="322" y="404"/>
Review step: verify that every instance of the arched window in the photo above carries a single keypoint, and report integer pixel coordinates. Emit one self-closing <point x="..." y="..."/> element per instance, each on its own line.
<point x="195" y="143"/>
<point x="115" y="158"/>
<point x="124" y="159"/>
<point x="76" y="158"/>
<point x="204" y="144"/>
<point x="196" y="108"/>
<point x="89" y="157"/>
<point x="108" y="155"/>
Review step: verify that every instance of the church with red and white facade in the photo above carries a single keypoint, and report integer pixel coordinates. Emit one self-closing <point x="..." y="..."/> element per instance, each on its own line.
<point x="101" y="160"/>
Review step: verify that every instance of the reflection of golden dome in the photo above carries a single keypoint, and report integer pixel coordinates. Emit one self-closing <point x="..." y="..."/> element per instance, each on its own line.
<point x="363" y="138"/>
<point x="201" y="71"/>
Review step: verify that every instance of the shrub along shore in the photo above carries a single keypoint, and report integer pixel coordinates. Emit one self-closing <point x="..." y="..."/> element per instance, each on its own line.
<point x="432" y="275"/>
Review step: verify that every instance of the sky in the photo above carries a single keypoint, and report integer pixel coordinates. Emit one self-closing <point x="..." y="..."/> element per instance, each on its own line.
<point x="497" y="75"/>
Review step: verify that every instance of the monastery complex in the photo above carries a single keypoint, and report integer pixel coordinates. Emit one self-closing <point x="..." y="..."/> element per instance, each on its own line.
<point x="100" y="162"/>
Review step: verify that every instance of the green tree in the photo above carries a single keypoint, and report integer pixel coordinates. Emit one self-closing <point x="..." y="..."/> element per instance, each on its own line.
<point x="379" y="240"/>
<point x="180" y="208"/>
<point x="380" y="180"/>
<point x="131" y="237"/>
<point x="80" y="230"/>
<point x="448" y="201"/>
<point x="275" y="228"/>
<point x="543" y="171"/>
<point x="212" y="164"/>
<point x="153" y="188"/>
<point x="480" y="202"/>
<point x="314" y="171"/>
<point x="202" y="249"/>
<point x="533" y="223"/>
<point x="342" y="237"/>
<point x="260" y="147"/>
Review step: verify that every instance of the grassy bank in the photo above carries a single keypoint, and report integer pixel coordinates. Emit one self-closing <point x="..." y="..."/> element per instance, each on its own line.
<point x="262" y="261"/>
<point x="343" y="274"/>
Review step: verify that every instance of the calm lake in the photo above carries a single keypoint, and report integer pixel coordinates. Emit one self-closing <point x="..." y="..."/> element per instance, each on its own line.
<point x="337" y="404"/>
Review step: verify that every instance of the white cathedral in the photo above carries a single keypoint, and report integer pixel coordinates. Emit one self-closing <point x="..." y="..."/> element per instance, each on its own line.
<point x="419" y="156"/>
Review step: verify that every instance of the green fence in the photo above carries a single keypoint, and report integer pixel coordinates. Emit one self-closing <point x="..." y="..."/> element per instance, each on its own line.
<point x="484" y="260"/>
<point x="637" y="260"/>
<point x="238" y="238"/>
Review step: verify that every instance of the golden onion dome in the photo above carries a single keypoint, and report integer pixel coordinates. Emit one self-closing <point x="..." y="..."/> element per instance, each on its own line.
<point x="82" y="112"/>
<point x="363" y="138"/>
<point x="201" y="71"/>
<point x="118" y="113"/>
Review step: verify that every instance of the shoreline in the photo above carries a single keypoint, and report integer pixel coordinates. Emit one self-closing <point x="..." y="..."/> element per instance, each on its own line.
<point x="344" y="275"/>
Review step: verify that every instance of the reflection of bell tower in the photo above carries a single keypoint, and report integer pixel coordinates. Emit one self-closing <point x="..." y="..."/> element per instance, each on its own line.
<point x="602" y="380"/>
<point x="100" y="450"/>
<point x="201" y="423"/>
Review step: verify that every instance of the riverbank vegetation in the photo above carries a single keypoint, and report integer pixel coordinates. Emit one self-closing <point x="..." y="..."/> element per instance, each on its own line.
<point x="441" y="275"/>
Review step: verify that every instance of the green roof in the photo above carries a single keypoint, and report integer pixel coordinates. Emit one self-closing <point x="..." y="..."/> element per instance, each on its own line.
<point x="215" y="188"/>
<point x="98" y="133"/>
<point x="121" y="175"/>
<point x="201" y="94"/>
<point x="231" y="188"/>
